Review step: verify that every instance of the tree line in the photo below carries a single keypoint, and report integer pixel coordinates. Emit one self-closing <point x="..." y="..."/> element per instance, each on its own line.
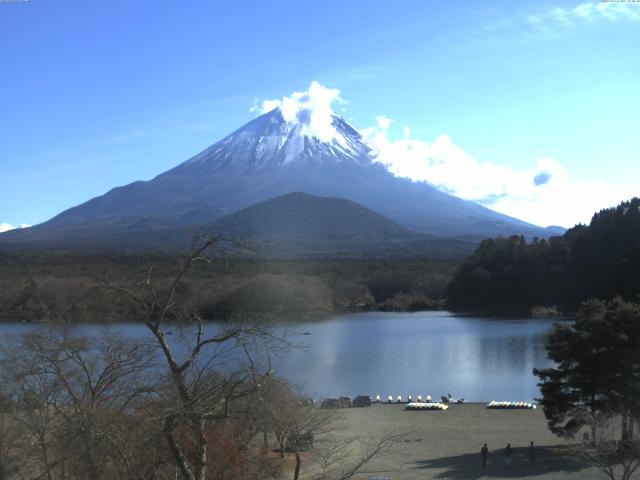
<point x="600" y="260"/>
<point x="67" y="287"/>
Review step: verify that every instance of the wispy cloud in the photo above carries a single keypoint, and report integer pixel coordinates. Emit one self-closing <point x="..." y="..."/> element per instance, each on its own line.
<point x="543" y="25"/>
<point x="205" y="116"/>
<point x="199" y="117"/>
<point x="61" y="167"/>
<point x="585" y="14"/>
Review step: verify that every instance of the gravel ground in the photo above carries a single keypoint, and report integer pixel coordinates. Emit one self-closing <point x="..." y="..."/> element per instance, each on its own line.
<point x="446" y="444"/>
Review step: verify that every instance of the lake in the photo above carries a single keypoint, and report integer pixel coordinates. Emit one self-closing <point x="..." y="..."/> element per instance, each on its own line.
<point x="421" y="353"/>
<point x="426" y="353"/>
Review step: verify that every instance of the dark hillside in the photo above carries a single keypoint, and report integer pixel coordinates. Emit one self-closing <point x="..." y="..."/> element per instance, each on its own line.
<point x="601" y="260"/>
<point x="302" y="216"/>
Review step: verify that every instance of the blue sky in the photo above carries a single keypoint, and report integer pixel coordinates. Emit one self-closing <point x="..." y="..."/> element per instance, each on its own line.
<point x="98" y="94"/>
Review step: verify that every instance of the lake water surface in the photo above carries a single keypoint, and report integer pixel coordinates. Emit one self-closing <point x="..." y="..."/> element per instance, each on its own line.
<point x="422" y="353"/>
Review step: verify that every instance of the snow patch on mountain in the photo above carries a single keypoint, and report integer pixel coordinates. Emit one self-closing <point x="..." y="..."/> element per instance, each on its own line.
<point x="271" y="141"/>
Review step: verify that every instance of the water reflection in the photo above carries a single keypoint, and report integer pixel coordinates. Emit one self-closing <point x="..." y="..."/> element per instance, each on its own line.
<point x="423" y="353"/>
<point x="420" y="353"/>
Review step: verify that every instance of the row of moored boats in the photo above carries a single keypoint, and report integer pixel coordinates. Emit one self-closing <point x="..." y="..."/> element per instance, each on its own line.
<point x="425" y="403"/>
<point x="400" y="399"/>
<point x="426" y="406"/>
<point x="511" y="405"/>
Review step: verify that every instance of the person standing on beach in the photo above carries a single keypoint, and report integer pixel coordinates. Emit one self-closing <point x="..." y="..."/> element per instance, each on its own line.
<point x="484" y="451"/>
<point x="532" y="454"/>
<point x="507" y="455"/>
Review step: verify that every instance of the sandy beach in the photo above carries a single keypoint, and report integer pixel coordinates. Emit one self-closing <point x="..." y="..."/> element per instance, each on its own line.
<point x="446" y="444"/>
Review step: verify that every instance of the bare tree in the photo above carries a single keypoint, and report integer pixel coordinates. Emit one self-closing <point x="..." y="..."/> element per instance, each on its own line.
<point x="611" y="443"/>
<point x="305" y="424"/>
<point x="343" y="459"/>
<point x="186" y="402"/>
<point x="298" y="423"/>
<point x="204" y="369"/>
<point x="294" y="421"/>
<point x="76" y="399"/>
<point x="27" y="404"/>
<point x="13" y="445"/>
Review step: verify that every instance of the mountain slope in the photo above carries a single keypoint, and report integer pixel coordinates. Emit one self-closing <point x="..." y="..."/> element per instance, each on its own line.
<point x="301" y="216"/>
<point x="302" y="225"/>
<point x="266" y="158"/>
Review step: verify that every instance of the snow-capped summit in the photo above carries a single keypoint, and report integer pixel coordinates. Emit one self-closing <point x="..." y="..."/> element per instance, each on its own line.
<point x="270" y="140"/>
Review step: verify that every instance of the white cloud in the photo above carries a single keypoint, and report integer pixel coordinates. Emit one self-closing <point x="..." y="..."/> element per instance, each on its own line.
<point x="549" y="24"/>
<point x="544" y="194"/>
<point x="585" y="13"/>
<point x="311" y="109"/>
<point x="383" y="122"/>
<point x="5" y="227"/>
<point x="592" y="11"/>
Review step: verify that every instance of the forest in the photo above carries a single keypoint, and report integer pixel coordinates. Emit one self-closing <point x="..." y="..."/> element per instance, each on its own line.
<point x="599" y="260"/>
<point x="72" y="287"/>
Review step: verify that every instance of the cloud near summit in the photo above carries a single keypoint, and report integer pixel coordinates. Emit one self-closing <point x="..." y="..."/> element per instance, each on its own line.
<point x="543" y="195"/>
<point x="312" y="109"/>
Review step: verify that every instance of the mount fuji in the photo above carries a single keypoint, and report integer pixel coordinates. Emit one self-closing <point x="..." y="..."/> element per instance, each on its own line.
<point x="266" y="158"/>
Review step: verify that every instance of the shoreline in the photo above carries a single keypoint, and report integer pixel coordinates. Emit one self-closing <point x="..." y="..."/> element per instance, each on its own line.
<point x="289" y="318"/>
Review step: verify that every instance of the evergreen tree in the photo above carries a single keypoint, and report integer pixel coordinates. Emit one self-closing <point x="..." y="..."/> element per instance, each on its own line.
<point x="598" y="368"/>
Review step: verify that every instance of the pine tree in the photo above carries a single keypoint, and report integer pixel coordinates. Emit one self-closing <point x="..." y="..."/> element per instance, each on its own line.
<point x="598" y="367"/>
